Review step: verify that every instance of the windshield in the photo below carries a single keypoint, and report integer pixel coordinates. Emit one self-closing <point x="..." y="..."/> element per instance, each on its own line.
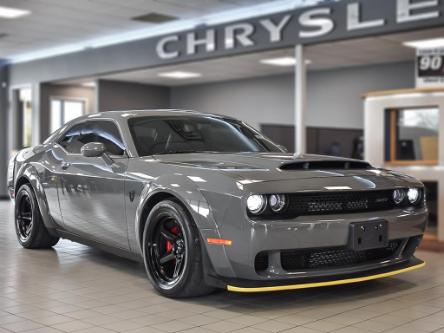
<point x="191" y="134"/>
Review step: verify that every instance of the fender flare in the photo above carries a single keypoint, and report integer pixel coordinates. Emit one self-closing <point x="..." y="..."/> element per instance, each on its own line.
<point x="194" y="202"/>
<point x="30" y="173"/>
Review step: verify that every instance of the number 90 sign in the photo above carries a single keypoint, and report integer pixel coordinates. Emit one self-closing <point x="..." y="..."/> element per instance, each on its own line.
<point x="430" y="65"/>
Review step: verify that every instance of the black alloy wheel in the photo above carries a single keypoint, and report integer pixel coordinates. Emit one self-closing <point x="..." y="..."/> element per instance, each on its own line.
<point x="172" y="251"/>
<point x="24" y="219"/>
<point x="167" y="250"/>
<point x="30" y="229"/>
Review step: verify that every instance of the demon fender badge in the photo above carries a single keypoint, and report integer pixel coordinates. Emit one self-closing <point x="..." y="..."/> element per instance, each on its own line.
<point x="336" y="188"/>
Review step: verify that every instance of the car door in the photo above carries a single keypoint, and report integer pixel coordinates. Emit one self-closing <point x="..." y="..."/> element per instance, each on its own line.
<point x="92" y="190"/>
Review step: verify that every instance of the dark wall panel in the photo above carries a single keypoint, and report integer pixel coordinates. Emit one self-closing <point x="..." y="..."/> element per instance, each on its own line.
<point x="4" y="155"/>
<point x="118" y="95"/>
<point x="325" y="141"/>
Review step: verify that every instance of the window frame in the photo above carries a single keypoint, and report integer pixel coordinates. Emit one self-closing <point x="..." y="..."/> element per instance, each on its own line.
<point x="64" y="99"/>
<point x="391" y="133"/>
<point x="69" y="127"/>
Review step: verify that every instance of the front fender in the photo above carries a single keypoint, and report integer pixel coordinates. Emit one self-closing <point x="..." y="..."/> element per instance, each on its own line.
<point x="193" y="199"/>
<point x="187" y="192"/>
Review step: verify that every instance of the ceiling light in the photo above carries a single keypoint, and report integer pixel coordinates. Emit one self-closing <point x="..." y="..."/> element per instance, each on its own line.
<point x="91" y="84"/>
<point x="12" y="13"/>
<point x="281" y="61"/>
<point x="180" y="75"/>
<point x="426" y="43"/>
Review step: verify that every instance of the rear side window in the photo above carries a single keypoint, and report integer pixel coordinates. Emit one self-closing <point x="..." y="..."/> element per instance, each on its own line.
<point x="105" y="132"/>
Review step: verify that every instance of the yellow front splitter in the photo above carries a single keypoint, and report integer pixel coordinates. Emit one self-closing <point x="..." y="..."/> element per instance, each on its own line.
<point x="323" y="284"/>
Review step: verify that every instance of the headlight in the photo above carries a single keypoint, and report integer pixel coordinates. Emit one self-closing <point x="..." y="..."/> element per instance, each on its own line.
<point x="398" y="196"/>
<point x="256" y="203"/>
<point x="413" y="195"/>
<point x="277" y="202"/>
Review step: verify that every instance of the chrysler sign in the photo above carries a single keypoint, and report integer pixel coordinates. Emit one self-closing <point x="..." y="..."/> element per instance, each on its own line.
<point x="333" y="21"/>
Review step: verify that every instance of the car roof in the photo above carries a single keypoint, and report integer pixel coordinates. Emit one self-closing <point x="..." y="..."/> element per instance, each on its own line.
<point x="127" y="114"/>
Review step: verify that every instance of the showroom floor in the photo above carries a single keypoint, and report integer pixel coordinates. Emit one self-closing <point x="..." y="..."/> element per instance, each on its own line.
<point x="74" y="288"/>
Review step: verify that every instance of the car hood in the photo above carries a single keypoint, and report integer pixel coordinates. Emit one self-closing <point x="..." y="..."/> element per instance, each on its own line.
<point x="271" y="166"/>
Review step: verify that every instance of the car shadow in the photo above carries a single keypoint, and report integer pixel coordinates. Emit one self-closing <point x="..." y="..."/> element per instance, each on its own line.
<point x="282" y="300"/>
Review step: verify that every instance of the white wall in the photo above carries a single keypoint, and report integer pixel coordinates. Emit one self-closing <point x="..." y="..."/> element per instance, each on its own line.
<point x="334" y="97"/>
<point x="374" y="136"/>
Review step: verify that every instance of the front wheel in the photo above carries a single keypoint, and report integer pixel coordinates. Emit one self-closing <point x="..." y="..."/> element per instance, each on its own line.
<point x="29" y="227"/>
<point x="172" y="253"/>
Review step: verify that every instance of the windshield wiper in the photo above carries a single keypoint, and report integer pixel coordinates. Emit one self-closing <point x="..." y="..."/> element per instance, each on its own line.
<point x="190" y="151"/>
<point x="179" y="152"/>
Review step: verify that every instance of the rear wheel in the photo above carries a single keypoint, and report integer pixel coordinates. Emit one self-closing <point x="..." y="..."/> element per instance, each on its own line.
<point x="172" y="252"/>
<point x="29" y="227"/>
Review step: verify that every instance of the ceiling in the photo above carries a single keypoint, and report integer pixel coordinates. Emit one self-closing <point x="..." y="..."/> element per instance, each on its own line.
<point x="358" y="52"/>
<point x="55" y="23"/>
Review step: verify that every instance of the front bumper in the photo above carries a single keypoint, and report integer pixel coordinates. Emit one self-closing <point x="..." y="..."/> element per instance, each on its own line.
<point x="246" y="286"/>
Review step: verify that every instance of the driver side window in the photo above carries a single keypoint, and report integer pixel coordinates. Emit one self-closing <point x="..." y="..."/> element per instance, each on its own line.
<point x="74" y="139"/>
<point x="104" y="132"/>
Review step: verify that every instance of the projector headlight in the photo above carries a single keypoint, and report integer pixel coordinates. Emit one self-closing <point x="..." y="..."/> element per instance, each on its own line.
<point x="256" y="203"/>
<point x="277" y="202"/>
<point x="398" y="196"/>
<point x="413" y="194"/>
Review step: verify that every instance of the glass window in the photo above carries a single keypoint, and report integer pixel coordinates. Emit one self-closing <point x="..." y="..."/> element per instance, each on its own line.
<point x="25" y="102"/>
<point x="73" y="140"/>
<point x="65" y="110"/>
<point x="104" y="132"/>
<point x="186" y="134"/>
<point x="413" y="134"/>
<point x="56" y="114"/>
<point x="72" y="110"/>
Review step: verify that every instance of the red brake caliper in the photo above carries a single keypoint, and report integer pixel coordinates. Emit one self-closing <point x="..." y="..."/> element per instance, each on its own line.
<point x="169" y="245"/>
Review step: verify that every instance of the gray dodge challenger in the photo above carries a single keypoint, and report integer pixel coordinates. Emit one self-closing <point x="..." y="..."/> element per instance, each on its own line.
<point x="206" y="201"/>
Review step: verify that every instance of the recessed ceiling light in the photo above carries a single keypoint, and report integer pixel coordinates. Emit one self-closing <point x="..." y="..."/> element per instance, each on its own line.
<point x="12" y="13"/>
<point x="282" y="61"/>
<point x="91" y="84"/>
<point x="425" y="43"/>
<point x="179" y="75"/>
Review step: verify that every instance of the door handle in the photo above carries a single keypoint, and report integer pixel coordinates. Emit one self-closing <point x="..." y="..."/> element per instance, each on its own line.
<point x="65" y="165"/>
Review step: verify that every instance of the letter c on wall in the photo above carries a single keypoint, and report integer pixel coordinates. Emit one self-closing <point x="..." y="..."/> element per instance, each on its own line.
<point x="161" y="47"/>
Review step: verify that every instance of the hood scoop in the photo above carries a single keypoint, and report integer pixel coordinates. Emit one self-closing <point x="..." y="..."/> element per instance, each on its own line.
<point x="325" y="165"/>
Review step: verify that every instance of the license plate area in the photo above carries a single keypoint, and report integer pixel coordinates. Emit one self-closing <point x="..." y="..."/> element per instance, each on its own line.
<point x="368" y="235"/>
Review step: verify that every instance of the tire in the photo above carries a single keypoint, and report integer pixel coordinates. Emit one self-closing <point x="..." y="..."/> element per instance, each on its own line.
<point x="169" y="218"/>
<point x="29" y="227"/>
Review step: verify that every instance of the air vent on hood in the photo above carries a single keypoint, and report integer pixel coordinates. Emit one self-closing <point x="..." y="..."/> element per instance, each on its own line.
<point x="325" y="165"/>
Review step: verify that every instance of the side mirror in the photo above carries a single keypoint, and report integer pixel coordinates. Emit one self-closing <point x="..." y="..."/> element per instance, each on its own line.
<point x="93" y="149"/>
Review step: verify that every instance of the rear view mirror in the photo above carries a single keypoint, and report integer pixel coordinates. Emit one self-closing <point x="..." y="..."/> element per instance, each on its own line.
<point x="93" y="149"/>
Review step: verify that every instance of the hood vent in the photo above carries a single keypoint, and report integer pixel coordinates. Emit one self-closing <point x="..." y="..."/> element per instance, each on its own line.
<point x="325" y="165"/>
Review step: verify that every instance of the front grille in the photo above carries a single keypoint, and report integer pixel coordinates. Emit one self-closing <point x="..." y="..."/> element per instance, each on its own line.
<point x="333" y="257"/>
<point x="340" y="202"/>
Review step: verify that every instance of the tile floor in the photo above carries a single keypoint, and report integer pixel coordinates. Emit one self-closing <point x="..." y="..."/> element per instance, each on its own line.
<point x="74" y="288"/>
